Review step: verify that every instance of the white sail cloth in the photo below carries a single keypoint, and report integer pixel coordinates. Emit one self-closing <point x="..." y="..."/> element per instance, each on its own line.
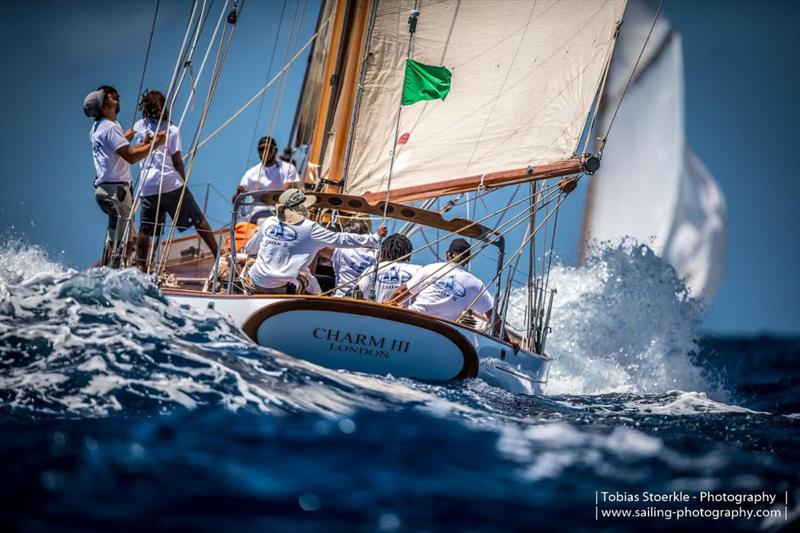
<point x="651" y="186"/>
<point x="524" y="76"/>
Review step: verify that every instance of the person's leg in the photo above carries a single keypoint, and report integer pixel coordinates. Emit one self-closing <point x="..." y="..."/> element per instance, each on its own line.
<point x="207" y="234"/>
<point x="149" y="218"/>
<point x="123" y="205"/>
<point x="105" y="198"/>
<point x="142" y="245"/>
<point x="192" y="215"/>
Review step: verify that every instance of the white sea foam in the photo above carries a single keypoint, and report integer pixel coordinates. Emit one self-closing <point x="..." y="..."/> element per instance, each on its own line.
<point x="622" y="323"/>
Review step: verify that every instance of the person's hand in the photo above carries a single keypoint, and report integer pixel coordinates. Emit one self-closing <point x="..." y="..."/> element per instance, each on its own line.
<point x="148" y="138"/>
<point x="382" y="231"/>
<point x="129" y="134"/>
<point x="161" y="138"/>
<point x="239" y="190"/>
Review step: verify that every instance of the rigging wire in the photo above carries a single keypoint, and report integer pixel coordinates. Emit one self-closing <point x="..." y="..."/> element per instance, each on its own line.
<point x="265" y="87"/>
<point x="146" y="59"/>
<point x="297" y="23"/>
<point x="604" y="138"/>
<point x="448" y="234"/>
<point x="139" y="184"/>
<point x="263" y="95"/>
<point x="215" y="77"/>
<point x="192" y="91"/>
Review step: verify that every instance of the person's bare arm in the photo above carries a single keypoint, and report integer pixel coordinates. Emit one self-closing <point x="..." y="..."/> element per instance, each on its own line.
<point x="399" y="295"/>
<point x="177" y="164"/>
<point x="129" y="134"/>
<point x="137" y="153"/>
<point x="239" y="190"/>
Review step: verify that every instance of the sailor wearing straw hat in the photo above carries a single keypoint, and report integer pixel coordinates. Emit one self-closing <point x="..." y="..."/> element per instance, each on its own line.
<point x="286" y="245"/>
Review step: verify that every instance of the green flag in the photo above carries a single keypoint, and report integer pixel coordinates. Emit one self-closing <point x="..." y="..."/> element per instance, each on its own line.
<point x="425" y="82"/>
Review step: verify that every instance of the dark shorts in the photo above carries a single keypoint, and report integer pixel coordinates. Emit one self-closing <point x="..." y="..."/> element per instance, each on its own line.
<point x="189" y="216"/>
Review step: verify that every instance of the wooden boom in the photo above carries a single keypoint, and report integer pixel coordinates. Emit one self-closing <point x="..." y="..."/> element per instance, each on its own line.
<point x="490" y="180"/>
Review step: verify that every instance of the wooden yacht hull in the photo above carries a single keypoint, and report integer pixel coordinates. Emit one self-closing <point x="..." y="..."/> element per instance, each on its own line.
<point x="360" y="336"/>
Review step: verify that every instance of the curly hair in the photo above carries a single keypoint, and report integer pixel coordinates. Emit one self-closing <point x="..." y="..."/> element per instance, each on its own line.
<point x="152" y="103"/>
<point x="396" y="246"/>
<point x="356" y="225"/>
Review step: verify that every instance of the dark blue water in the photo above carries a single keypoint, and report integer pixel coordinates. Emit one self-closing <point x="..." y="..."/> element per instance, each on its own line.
<point x="119" y="410"/>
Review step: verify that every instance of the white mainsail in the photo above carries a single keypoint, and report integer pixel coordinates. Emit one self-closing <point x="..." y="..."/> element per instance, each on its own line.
<point x="525" y="75"/>
<point x="650" y="186"/>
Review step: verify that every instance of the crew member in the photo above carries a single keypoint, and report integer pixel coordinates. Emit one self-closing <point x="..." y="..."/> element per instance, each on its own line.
<point x="164" y="176"/>
<point x="287" y="243"/>
<point x="350" y="263"/>
<point x="269" y="174"/>
<point x="394" y="269"/>
<point x="113" y="155"/>
<point x="445" y="289"/>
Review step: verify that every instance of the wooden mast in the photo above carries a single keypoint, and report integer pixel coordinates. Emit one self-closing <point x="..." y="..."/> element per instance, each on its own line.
<point x="323" y="108"/>
<point x="344" y="110"/>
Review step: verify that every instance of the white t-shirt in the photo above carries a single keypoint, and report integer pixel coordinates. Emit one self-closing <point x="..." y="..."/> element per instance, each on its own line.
<point x="107" y="137"/>
<point x="349" y="264"/>
<point x="274" y="177"/>
<point x="445" y="290"/>
<point x="284" y="250"/>
<point x="160" y="158"/>
<point x="391" y="275"/>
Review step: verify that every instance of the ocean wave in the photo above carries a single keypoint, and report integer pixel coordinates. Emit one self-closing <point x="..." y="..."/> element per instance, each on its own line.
<point x="101" y="341"/>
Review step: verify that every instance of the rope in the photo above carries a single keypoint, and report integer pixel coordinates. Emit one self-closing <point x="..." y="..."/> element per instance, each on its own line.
<point x="263" y="95"/>
<point x="215" y="77"/>
<point x="139" y="184"/>
<point x="482" y="247"/>
<point x="518" y="251"/>
<point x="449" y="234"/>
<point x="193" y="88"/>
<point x="146" y="59"/>
<point x="630" y="78"/>
<point x="265" y="87"/>
<point x="192" y="91"/>
<point x="293" y="35"/>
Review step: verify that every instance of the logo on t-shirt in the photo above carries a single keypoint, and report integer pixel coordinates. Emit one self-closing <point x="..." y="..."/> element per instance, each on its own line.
<point x="281" y="232"/>
<point x="448" y="286"/>
<point x="393" y="276"/>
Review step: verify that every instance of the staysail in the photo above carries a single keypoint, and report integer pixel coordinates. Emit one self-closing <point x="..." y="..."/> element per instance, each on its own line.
<point x="651" y="187"/>
<point x="524" y="77"/>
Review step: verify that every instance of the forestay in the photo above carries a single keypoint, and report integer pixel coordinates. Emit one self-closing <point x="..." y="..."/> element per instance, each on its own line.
<point x="651" y="186"/>
<point x="524" y="78"/>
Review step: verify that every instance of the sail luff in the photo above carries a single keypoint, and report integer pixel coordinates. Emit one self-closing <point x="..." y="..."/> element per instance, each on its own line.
<point x="323" y="108"/>
<point x="344" y="111"/>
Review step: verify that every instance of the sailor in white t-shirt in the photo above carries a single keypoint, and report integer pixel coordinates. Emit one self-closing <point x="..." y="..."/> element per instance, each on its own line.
<point x="269" y="174"/>
<point x="162" y="181"/>
<point x="113" y="155"/>
<point x="350" y="263"/>
<point x="286" y="245"/>
<point x="445" y="289"/>
<point x="393" y="270"/>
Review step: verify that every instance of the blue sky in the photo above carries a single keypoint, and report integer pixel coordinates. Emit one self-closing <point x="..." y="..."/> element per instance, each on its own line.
<point x="742" y="79"/>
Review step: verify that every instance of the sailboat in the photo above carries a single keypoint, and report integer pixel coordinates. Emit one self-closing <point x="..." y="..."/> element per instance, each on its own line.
<point x="672" y="202"/>
<point x="528" y="79"/>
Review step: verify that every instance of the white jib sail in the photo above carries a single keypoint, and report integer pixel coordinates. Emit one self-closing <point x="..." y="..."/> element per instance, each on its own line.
<point x="650" y="186"/>
<point x="524" y="74"/>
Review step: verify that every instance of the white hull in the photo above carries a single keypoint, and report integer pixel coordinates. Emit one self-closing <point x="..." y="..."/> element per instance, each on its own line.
<point x="373" y="338"/>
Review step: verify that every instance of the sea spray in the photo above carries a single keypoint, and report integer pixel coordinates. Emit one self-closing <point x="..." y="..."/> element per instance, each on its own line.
<point x="622" y="322"/>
